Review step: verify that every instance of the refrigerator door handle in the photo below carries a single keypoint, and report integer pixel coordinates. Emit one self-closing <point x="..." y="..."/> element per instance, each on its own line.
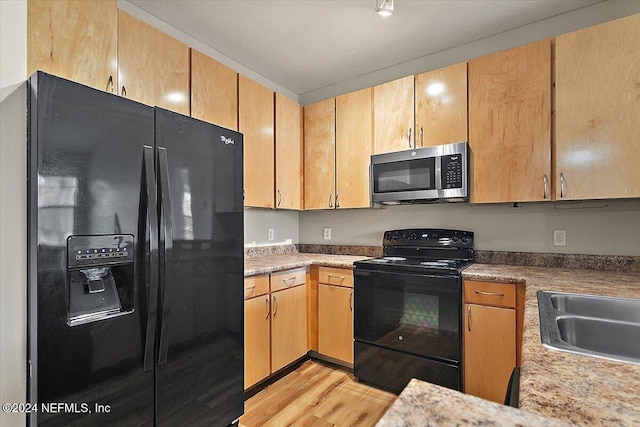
<point x="151" y="241"/>
<point x="166" y="242"/>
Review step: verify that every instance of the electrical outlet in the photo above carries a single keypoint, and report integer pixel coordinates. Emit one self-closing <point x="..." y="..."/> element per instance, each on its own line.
<point x="559" y="238"/>
<point x="271" y="233"/>
<point x="327" y="233"/>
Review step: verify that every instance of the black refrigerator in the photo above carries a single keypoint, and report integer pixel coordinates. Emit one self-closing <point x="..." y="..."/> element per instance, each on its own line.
<point x="136" y="263"/>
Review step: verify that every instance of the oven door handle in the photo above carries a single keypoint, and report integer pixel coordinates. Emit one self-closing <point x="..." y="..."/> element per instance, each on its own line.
<point x="370" y="273"/>
<point x="448" y="283"/>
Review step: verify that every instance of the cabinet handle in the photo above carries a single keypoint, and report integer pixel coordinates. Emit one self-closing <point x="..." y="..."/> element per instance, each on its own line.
<point x="331" y="199"/>
<point x="545" y="181"/>
<point x="469" y="318"/>
<point x="275" y="306"/>
<point x="251" y="289"/>
<point x="561" y="185"/>
<point x="490" y="294"/>
<point x="421" y="137"/>
<point x="279" y="197"/>
<point x="286" y="280"/>
<point x="110" y="84"/>
<point x="337" y="201"/>
<point x="409" y="137"/>
<point x="351" y="300"/>
<point x="268" y="307"/>
<point x="341" y="278"/>
<point x="124" y="91"/>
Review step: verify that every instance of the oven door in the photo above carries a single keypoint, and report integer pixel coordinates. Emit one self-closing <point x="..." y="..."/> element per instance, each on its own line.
<point x="414" y="313"/>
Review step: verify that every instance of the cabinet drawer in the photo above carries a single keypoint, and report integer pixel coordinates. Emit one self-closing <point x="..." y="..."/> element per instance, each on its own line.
<point x="255" y="286"/>
<point x="490" y="293"/>
<point x="288" y="279"/>
<point x="336" y="276"/>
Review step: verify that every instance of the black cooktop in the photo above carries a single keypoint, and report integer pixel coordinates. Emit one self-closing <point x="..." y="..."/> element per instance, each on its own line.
<point x="425" y="251"/>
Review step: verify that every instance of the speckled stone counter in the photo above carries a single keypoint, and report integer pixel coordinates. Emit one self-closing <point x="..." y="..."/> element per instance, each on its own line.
<point x="270" y="263"/>
<point x="422" y="404"/>
<point x="561" y="386"/>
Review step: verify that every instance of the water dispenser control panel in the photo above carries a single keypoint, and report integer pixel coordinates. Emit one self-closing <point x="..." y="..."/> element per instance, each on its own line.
<point x="84" y="251"/>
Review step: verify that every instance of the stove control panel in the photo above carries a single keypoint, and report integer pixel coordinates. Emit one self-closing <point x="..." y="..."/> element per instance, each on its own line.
<point x="428" y="237"/>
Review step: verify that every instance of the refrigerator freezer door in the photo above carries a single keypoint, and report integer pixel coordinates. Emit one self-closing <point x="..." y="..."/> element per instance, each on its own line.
<point x="85" y="174"/>
<point x="200" y="356"/>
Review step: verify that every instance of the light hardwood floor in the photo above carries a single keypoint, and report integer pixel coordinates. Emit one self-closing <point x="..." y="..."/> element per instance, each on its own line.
<point x="316" y="395"/>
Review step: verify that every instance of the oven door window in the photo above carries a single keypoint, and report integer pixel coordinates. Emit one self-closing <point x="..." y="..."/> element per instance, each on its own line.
<point x="417" y="314"/>
<point x="406" y="175"/>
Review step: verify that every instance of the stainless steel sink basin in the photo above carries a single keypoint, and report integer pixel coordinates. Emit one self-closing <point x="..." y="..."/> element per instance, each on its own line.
<point x="624" y="309"/>
<point x="590" y="325"/>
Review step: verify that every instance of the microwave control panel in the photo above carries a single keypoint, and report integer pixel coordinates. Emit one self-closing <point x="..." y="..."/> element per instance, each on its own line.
<point x="451" y="171"/>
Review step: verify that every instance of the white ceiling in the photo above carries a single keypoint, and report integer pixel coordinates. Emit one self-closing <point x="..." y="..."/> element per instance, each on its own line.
<point x="305" y="45"/>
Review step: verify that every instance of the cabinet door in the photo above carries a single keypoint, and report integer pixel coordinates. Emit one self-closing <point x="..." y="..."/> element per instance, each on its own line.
<point x="597" y="111"/>
<point x="153" y="67"/>
<point x="289" y="153"/>
<point x="354" y="137"/>
<point x="288" y="326"/>
<point x="214" y="91"/>
<point x="393" y="116"/>
<point x="441" y="106"/>
<point x="257" y="346"/>
<point x="509" y="124"/>
<point x="75" y="40"/>
<point x="489" y="350"/>
<point x="335" y="322"/>
<point x="319" y="154"/>
<point x="256" y="123"/>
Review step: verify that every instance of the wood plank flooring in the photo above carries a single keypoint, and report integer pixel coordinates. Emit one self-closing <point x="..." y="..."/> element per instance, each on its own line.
<point x="317" y="395"/>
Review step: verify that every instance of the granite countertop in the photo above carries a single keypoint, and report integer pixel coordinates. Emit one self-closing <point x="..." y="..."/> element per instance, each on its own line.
<point x="555" y="387"/>
<point x="270" y="263"/>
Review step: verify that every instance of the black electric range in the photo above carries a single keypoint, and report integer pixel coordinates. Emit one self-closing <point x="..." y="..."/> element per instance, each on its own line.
<point x="407" y="308"/>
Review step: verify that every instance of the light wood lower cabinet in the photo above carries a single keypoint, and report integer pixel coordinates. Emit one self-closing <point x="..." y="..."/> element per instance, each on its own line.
<point x="490" y="338"/>
<point x="288" y="326"/>
<point x="335" y="322"/>
<point x="334" y="313"/>
<point x="275" y="322"/>
<point x="257" y="340"/>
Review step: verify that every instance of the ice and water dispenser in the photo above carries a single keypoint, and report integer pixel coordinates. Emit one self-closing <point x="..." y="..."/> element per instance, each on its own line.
<point x="100" y="276"/>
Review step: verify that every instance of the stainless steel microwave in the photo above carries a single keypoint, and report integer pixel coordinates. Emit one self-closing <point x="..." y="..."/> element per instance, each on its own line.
<point x="430" y="174"/>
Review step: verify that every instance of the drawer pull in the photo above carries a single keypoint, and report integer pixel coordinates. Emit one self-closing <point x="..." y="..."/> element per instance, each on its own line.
<point x="490" y="294"/>
<point x="250" y="289"/>
<point x="291" y="279"/>
<point x="341" y="278"/>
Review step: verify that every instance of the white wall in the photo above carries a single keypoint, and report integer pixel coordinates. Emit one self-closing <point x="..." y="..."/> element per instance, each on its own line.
<point x="13" y="206"/>
<point x="591" y="227"/>
<point x="257" y="222"/>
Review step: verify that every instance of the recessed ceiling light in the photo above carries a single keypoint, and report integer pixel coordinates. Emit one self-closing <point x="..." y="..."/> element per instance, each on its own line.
<point x="384" y="7"/>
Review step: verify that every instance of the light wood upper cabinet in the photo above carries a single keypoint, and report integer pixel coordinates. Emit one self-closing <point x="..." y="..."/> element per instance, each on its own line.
<point x="256" y="116"/>
<point x="257" y="339"/>
<point x="441" y="106"/>
<point x="288" y="326"/>
<point x="597" y="85"/>
<point x="289" y="153"/>
<point x="509" y="124"/>
<point x="75" y="40"/>
<point x="153" y="67"/>
<point x="393" y="116"/>
<point x="354" y="137"/>
<point x="214" y="91"/>
<point x="319" y="154"/>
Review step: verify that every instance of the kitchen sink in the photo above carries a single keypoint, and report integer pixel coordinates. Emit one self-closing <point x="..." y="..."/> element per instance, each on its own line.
<point x="590" y="325"/>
